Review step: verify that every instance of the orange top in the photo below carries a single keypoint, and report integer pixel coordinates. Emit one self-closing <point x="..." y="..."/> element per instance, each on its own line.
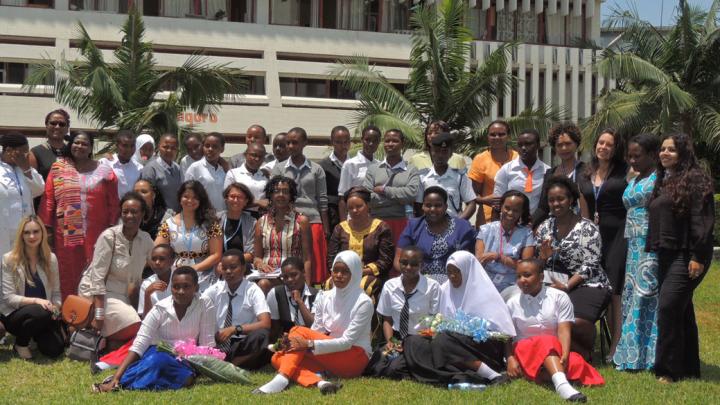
<point x="483" y="170"/>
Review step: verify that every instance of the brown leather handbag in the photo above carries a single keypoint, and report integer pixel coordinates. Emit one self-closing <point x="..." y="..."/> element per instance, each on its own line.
<point x="77" y="311"/>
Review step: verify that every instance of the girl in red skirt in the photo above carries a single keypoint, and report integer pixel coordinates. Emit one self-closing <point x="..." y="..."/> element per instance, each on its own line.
<point x="543" y="317"/>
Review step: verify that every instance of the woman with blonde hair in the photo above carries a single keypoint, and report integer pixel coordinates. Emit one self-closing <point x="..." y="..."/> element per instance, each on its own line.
<point x="31" y="291"/>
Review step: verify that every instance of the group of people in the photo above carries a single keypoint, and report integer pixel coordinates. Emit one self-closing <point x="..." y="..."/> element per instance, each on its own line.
<point x="229" y="253"/>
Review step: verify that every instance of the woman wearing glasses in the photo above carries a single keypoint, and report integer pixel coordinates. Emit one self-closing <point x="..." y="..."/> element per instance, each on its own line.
<point x="44" y="155"/>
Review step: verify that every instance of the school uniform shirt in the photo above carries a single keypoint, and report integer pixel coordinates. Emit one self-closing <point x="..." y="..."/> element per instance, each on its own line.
<point x="16" y="197"/>
<point x="541" y="314"/>
<point x="454" y="182"/>
<point x="353" y="172"/>
<point x="212" y="178"/>
<point x="248" y="304"/>
<point x="512" y="176"/>
<point x="126" y="173"/>
<point x="400" y="184"/>
<point x="167" y="178"/>
<point x="295" y="315"/>
<point x="186" y="161"/>
<point x="423" y="302"/>
<point x="254" y="181"/>
<point x="312" y="189"/>
<point x="155" y="297"/>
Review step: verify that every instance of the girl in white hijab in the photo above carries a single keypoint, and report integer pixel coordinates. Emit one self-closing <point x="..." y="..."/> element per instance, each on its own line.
<point x="339" y="340"/>
<point x="470" y="290"/>
<point x="143" y="155"/>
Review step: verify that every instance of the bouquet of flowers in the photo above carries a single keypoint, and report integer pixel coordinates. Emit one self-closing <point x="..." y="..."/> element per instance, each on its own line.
<point x="462" y="323"/>
<point x="207" y="361"/>
<point x="281" y="345"/>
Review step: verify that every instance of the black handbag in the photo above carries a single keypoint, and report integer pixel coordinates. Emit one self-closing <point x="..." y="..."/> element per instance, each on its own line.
<point x="85" y="344"/>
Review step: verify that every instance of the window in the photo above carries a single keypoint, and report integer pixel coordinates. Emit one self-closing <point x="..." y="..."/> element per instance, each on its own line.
<point x="399" y="16"/>
<point x="291" y="12"/>
<point x="242" y="11"/>
<point x="314" y="88"/>
<point x="14" y="73"/>
<point x="359" y="15"/>
<point x="329" y="13"/>
<point x="28" y="3"/>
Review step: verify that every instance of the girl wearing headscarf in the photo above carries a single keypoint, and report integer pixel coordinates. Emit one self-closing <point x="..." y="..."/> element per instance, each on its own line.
<point x="144" y="148"/>
<point x="339" y="340"/>
<point x="470" y="290"/>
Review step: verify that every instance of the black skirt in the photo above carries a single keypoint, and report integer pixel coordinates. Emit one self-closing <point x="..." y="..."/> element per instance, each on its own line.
<point x="436" y="360"/>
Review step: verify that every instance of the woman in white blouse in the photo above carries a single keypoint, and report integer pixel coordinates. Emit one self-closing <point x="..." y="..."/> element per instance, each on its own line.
<point x="31" y="292"/>
<point x="19" y="184"/>
<point x="339" y="340"/>
<point x="184" y="316"/>
<point x="543" y="319"/>
<point x="113" y="278"/>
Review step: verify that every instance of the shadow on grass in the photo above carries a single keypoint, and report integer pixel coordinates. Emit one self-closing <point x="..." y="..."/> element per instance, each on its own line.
<point x="709" y="372"/>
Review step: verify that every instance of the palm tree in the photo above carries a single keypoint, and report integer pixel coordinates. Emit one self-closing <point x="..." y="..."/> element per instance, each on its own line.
<point x="665" y="81"/>
<point x="127" y="92"/>
<point x="444" y="83"/>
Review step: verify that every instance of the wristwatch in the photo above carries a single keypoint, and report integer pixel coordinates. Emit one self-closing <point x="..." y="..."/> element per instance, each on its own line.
<point x="238" y="330"/>
<point x="311" y="344"/>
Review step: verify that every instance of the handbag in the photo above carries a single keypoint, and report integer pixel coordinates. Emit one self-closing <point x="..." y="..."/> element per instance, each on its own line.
<point x="77" y="311"/>
<point x="85" y="344"/>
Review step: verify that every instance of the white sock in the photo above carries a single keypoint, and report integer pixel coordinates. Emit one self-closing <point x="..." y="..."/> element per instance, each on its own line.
<point x="277" y="384"/>
<point x="562" y="386"/>
<point x="486" y="372"/>
<point x="323" y="383"/>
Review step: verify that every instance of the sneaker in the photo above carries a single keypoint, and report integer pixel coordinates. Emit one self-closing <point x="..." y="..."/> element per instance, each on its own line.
<point x="579" y="397"/>
<point x="331" y="388"/>
<point x="500" y="380"/>
<point x="24" y="352"/>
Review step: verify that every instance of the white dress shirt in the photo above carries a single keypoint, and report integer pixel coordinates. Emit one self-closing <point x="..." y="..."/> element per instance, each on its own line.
<point x="512" y="176"/>
<point x="186" y="161"/>
<point x="16" y="200"/>
<point x="343" y="338"/>
<point x="212" y="178"/>
<point x="295" y="315"/>
<point x="247" y="305"/>
<point x="541" y="314"/>
<point x="126" y="173"/>
<point x="424" y="301"/>
<point x="353" y="172"/>
<point x="155" y="297"/>
<point x="455" y="182"/>
<point x="255" y="182"/>
<point x="162" y="324"/>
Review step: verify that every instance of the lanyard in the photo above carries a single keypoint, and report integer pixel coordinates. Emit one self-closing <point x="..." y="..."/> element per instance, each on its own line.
<point x="187" y="236"/>
<point x="227" y="239"/>
<point x="597" y="190"/>
<point x="502" y="238"/>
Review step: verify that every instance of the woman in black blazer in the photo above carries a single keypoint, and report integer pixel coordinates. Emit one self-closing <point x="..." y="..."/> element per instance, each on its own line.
<point x="681" y="219"/>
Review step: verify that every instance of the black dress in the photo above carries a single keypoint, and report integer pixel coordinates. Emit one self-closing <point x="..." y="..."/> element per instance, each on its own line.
<point x="45" y="157"/>
<point x="611" y="215"/>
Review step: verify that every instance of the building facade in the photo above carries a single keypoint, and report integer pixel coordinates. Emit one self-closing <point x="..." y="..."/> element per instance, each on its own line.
<point x="287" y="47"/>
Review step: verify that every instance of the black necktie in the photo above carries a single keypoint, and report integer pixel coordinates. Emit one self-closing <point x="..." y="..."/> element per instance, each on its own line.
<point x="225" y="346"/>
<point x="405" y="315"/>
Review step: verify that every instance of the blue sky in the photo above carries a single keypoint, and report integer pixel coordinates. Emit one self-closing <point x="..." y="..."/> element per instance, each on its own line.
<point x="651" y="10"/>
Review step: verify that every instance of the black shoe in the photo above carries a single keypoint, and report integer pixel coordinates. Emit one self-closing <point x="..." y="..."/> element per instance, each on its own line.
<point x="502" y="379"/>
<point x="579" y="397"/>
<point x="331" y="388"/>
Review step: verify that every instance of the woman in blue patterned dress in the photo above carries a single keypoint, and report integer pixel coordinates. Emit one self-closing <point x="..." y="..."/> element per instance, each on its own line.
<point x="636" y="349"/>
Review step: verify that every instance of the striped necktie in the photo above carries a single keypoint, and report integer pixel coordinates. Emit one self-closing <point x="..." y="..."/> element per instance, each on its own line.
<point x="225" y="346"/>
<point x="405" y="315"/>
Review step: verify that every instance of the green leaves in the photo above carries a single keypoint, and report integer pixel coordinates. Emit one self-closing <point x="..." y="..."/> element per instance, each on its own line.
<point x="130" y="92"/>
<point x="442" y="85"/>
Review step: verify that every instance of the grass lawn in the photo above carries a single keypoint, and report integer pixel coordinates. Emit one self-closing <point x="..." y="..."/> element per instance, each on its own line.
<point x="65" y="381"/>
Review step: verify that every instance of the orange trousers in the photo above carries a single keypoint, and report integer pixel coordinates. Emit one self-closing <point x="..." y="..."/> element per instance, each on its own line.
<point x="302" y="366"/>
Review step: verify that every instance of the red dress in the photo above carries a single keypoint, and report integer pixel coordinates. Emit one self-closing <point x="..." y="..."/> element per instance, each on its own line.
<point x="78" y="206"/>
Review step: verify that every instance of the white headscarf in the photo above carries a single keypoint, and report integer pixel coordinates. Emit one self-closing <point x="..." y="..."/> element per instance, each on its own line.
<point x="477" y="296"/>
<point x="141" y="141"/>
<point x="339" y="302"/>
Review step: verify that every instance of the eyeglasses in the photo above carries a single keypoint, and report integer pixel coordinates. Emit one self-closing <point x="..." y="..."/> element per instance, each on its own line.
<point x="60" y="124"/>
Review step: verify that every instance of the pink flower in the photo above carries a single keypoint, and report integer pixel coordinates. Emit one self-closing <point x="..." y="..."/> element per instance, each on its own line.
<point x="189" y="348"/>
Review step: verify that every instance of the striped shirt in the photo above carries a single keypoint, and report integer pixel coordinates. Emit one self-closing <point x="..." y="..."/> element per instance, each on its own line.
<point x="162" y="324"/>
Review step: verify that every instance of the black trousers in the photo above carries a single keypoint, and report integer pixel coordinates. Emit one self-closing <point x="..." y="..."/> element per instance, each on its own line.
<point x="34" y="322"/>
<point x="254" y="343"/>
<point x="678" y="350"/>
